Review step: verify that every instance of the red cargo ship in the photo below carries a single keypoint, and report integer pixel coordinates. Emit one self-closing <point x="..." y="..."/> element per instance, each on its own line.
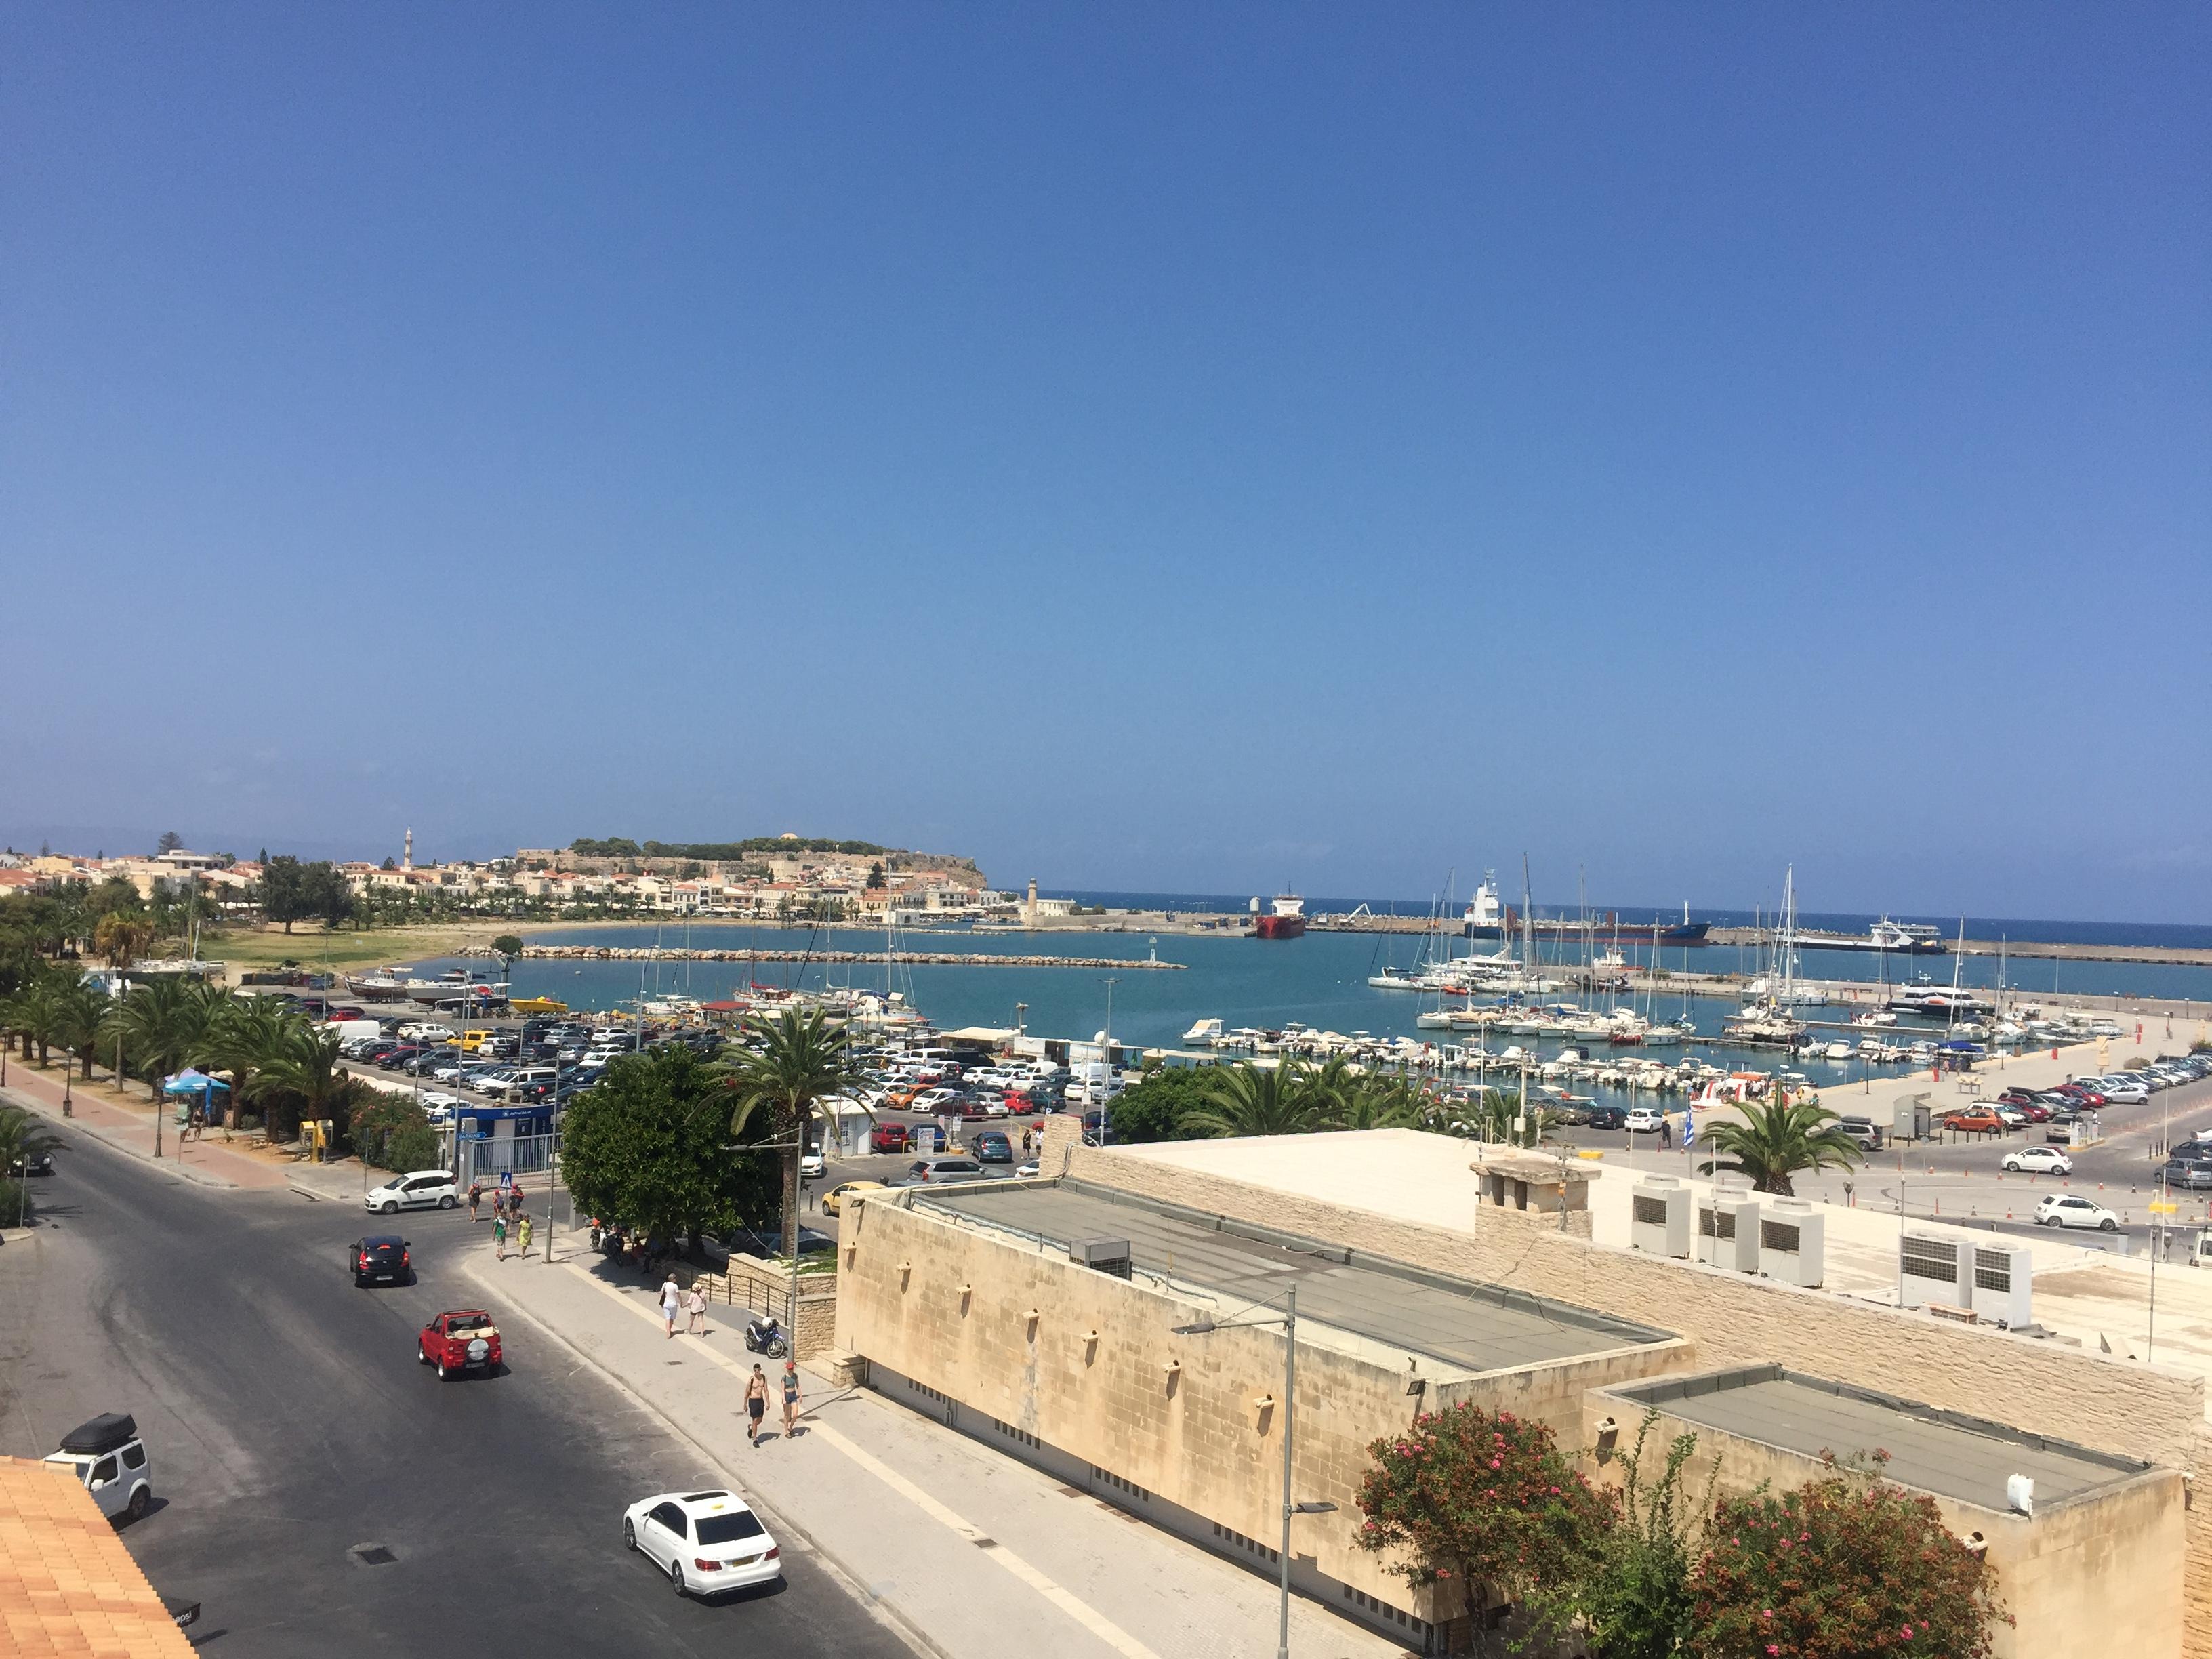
<point x="1287" y="920"/>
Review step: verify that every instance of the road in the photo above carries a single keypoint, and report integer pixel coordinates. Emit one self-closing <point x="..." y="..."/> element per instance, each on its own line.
<point x="288" y="1424"/>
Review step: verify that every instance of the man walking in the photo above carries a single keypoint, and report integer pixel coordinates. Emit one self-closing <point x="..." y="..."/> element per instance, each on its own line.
<point x="790" y="1398"/>
<point x="670" y="1298"/>
<point x="755" y="1404"/>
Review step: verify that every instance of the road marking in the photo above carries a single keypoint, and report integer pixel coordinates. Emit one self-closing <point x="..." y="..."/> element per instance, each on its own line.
<point x="1080" y="1611"/>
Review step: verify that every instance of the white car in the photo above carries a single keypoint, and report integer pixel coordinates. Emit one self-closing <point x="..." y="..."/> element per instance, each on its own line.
<point x="706" y="1541"/>
<point x="934" y="1100"/>
<point x="812" y="1166"/>
<point x="425" y="1030"/>
<point x="419" y="1189"/>
<point x="2120" y="1092"/>
<point x="2039" y="1160"/>
<point x="2065" y="1209"/>
<point x="1645" y="1120"/>
<point x="106" y="1455"/>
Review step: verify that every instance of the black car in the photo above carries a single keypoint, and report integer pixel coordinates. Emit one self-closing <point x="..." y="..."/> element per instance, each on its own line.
<point x="1609" y="1117"/>
<point x="992" y="1147"/>
<point x="38" y="1164"/>
<point x="383" y="1257"/>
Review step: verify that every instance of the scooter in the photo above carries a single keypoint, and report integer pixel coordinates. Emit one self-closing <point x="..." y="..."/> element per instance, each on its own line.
<point x="764" y="1335"/>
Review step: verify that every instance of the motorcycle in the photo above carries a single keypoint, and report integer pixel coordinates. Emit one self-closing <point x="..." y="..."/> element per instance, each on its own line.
<point x="764" y="1335"/>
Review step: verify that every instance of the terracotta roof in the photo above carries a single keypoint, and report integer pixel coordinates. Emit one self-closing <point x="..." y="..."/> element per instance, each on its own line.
<point x="68" y="1586"/>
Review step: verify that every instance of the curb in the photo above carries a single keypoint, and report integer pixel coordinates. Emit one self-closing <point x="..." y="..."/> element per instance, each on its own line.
<point x="904" y="1628"/>
<point x="168" y="1167"/>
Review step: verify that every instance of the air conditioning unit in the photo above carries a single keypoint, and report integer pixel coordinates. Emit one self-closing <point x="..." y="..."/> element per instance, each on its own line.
<point x="1659" y="1218"/>
<point x="1792" y="1242"/>
<point x="1728" y="1232"/>
<point x="1105" y="1255"/>
<point x="1935" y="1267"/>
<point x="2003" y="1292"/>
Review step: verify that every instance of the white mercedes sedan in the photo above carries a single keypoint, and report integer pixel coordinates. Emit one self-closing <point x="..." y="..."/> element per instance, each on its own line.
<point x="707" y="1542"/>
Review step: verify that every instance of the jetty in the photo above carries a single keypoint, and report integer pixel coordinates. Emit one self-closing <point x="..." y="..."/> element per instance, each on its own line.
<point x="856" y="959"/>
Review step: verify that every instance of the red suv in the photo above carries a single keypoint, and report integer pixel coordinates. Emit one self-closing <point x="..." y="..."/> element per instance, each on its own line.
<point x="888" y="1138"/>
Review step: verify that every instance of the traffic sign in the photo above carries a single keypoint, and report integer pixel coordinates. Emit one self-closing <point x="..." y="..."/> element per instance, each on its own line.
<point x="506" y="1178"/>
<point x="2157" y="1208"/>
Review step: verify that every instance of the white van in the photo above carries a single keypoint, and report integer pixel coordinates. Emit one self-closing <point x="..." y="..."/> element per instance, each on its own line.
<point x="351" y="1031"/>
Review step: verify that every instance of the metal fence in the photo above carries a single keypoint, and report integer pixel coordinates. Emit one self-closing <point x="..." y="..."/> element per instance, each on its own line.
<point x="485" y="1157"/>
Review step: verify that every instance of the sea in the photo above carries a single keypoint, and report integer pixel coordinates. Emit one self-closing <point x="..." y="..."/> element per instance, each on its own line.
<point x="1319" y="979"/>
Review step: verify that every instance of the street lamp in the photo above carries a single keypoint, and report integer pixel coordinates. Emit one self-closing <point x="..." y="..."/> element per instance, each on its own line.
<point x="1289" y="1320"/>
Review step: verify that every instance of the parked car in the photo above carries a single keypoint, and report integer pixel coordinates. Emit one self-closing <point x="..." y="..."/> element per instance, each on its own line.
<point x="2038" y="1160"/>
<point x="1976" y="1120"/>
<point x="812" y="1166"/>
<point x="2113" y="1091"/>
<point x="888" y="1138"/>
<point x="420" y="1189"/>
<point x="2071" y="1210"/>
<point x="1863" y="1130"/>
<point x="707" y="1542"/>
<point x="2016" y="1097"/>
<point x="1606" y="1117"/>
<point x="2193" y="1175"/>
<point x="381" y="1258"/>
<point x="465" y="1340"/>
<point x="1644" y="1120"/>
<point x="2034" y="1110"/>
<point x="992" y="1147"/>
<point x="109" y="1460"/>
<point x="952" y="1166"/>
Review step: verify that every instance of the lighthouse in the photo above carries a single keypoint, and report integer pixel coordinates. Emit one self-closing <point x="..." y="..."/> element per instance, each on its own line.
<point x="407" y="852"/>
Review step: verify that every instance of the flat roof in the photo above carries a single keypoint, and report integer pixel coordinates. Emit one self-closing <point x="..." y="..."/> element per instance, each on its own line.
<point x="68" y="1586"/>
<point x="1947" y="1453"/>
<point x="1482" y="1327"/>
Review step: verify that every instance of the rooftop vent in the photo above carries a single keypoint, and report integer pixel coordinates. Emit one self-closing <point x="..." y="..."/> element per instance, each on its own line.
<point x="1105" y="1255"/>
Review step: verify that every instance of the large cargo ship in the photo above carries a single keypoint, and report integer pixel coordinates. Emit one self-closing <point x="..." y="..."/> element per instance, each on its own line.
<point x="1910" y="937"/>
<point x="1285" y="919"/>
<point x="1486" y="918"/>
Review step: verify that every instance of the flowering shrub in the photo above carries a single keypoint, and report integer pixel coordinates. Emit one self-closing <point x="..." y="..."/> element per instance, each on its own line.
<point x="1470" y="1498"/>
<point x="1839" y="1569"/>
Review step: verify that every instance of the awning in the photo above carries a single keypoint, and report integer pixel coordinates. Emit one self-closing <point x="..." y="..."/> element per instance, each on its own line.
<point x="189" y="1082"/>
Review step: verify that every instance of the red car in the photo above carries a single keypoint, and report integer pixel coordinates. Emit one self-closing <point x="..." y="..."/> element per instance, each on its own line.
<point x="2016" y="1098"/>
<point x="2081" y="1093"/>
<point x="2033" y="1110"/>
<point x="463" y="1340"/>
<point x="888" y="1138"/>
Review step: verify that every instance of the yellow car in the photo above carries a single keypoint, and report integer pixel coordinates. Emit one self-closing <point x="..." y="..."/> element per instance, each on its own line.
<point x="833" y="1202"/>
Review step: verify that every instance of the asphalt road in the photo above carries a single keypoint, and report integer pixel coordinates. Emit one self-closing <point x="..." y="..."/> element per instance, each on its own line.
<point x="288" y="1424"/>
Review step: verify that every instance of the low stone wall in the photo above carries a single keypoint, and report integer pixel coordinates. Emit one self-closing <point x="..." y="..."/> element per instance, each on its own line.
<point x="761" y="1286"/>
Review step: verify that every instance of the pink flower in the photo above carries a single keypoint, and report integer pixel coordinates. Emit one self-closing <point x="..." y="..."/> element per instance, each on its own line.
<point x="1769" y="1613"/>
<point x="1497" y="1462"/>
<point x="1771" y="1648"/>
<point x="1908" y="1631"/>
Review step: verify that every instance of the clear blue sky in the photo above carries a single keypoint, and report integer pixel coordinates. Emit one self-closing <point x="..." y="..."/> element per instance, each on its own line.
<point x="1147" y="446"/>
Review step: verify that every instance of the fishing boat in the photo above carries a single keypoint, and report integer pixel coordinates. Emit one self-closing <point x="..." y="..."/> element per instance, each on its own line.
<point x="537" y="1006"/>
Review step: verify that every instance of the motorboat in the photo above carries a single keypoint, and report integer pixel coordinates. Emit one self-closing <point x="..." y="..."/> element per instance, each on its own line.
<point x="1204" y="1034"/>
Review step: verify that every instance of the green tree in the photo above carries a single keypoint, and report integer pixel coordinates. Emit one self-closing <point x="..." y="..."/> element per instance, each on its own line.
<point x="284" y="895"/>
<point x="243" y="1033"/>
<point x="507" y="947"/>
<point x="1486" y="1504"/>
<point x="649" y="1146"/>
<point x="121" y="938"/>
<point x="1260" y="1100"/>
<point x="302" y="1079"/>
<point x="1367" y="1100"/>
<point x="325" y="894"/>
<point x="390" y="1132"/>
<point x="1634" y="1602"/>
<point x="1156" y="1106"/>
<point x="1776" y="1138"/>
<point x="163" y="1023"/>
<point x="791" y="1065"/>
<point x="1839" y="1568"/>
<point x="876" y="882"/>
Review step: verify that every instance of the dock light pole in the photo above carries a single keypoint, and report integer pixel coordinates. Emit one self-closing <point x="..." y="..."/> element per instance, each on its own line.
<point x="1289" y="1320"/>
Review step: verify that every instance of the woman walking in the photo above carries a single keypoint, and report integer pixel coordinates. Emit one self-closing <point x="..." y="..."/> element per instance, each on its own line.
<point x="790" y="1398"/>
<point x="499" y="1236"/>
<point x="522" y="1233"/>
<point x="476" y="1197"/>
<point x="695" y="1307"/>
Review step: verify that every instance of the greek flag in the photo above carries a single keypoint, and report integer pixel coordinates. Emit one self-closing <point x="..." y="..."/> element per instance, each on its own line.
<point x="1689" y="1125"/>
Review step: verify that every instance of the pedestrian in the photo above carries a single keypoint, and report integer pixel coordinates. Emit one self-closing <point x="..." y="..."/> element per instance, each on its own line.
<point x="790" y="1398"/>
<point x="522" y="1233"/>
<point x="476" y="1197"/>
<point x="695" y="1306"/>
<point x="670" y="1298"/>
<point x="1665" y="1133"/>
<point x="755" y="1404"/>
<point x="499" y="1234"/>
<point x="518" y="1204"/>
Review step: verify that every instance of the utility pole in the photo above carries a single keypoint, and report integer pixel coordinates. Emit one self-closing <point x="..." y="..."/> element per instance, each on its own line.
<point x="1290" y="1428"/>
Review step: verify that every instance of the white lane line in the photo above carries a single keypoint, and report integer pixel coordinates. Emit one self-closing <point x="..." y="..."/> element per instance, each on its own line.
<point x="1080" y="1611"/>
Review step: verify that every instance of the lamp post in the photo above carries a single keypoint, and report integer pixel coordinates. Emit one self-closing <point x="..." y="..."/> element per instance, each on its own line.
<point x="1288" y="1322"/>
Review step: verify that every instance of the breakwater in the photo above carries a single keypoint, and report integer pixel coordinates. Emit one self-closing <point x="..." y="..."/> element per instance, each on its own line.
<point x="854" y="958"/>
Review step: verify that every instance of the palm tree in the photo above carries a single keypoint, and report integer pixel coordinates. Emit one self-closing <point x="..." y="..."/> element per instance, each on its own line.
<point x="794" y="1063"/>
<point x="245" y="1033"/>
<point x="78" y="1012"/>
<point x="163" y="1023"/>
<point x="22" y="1136"/>
<point x="1775" y="1140"/>
<point x="302" y="1064"/>
<point x="1260" y="1100"/>
<point x="1369" y="1101"/>
<point x="120" y="938"/>
<point x="1493" y="1117"/>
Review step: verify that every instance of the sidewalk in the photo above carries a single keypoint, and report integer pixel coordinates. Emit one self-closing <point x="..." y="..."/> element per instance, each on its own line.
<point x="976" y="1555"/>
<point x="131" y="1131"/>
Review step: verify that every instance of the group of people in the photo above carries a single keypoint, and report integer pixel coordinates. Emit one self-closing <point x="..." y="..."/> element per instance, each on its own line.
<point x="691" y="1305"/>
<point x="507" y="1210"/>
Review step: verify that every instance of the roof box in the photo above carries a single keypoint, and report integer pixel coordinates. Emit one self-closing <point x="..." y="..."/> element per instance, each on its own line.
<point x="103" y="1433"/>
